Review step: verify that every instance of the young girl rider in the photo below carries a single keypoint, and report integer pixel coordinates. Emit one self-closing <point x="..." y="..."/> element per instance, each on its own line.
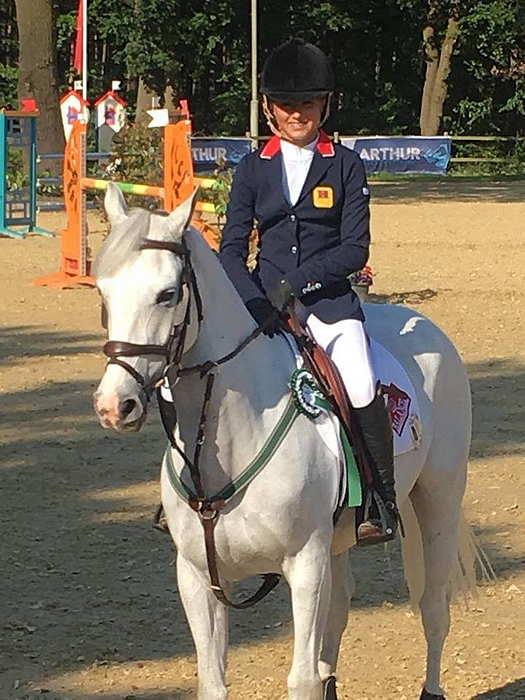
<point x="310" y="201"/>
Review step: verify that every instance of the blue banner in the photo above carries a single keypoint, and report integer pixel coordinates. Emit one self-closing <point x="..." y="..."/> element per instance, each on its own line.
<point x="402" y="154"/>
<point x="208" y="153"/>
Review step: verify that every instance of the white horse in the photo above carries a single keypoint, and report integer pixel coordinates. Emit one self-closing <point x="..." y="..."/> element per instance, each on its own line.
<point x="281" y="522"/>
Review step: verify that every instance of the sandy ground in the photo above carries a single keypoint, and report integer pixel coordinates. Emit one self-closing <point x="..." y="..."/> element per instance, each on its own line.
<point x="89" y="605"/>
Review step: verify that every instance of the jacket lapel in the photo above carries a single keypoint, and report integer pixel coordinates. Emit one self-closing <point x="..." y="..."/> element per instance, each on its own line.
<point x="273" y="171"/>
<point x="322" y="161"/>
<point x="316" y="173"/>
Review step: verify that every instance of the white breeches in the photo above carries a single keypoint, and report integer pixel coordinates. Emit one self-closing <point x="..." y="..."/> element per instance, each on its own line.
<point x="347" y="345"/>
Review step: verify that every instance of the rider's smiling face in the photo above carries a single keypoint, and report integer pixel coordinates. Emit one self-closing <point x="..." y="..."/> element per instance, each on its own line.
<point x="299" y="122"/>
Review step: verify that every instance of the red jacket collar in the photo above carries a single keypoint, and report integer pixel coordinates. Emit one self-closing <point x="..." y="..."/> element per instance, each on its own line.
<point x="324" y="146"/>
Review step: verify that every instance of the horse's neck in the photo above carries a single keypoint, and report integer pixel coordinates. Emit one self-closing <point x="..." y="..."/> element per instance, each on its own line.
<point x="226" y="321"/>
<point x="250" y="389"/>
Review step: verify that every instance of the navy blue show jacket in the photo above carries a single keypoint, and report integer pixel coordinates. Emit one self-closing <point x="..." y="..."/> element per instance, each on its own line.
<point x="314" y="244"/>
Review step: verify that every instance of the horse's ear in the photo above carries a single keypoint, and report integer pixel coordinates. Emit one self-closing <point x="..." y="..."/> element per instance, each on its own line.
<point x="179" y="219"/>
<point x="115" y="204"/>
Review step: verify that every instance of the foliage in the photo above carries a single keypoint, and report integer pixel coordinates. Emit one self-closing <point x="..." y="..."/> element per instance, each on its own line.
<point x="498" y="156"/>
<point x="487" y="87"/>
<point x="8" y="86"/>
<point x="362" y="278"/>
<point x="202" y="50"/>
<point x="8" y="55"/>
<point x="221" y="190"/>
<point x="137" y="157"/>
<point x="17" y="176"/>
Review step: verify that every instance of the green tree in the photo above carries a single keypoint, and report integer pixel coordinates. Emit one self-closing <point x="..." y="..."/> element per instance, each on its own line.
<point x="401" y="66"/>
<point x="8" y="55"/>
<point x="487" y="93"/>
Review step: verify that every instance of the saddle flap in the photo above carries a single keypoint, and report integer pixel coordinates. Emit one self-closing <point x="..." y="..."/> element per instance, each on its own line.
<point x="323" y="368"/>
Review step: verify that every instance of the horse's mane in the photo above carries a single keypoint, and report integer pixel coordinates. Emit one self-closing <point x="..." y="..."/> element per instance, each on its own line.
<point x="123" y="243"/>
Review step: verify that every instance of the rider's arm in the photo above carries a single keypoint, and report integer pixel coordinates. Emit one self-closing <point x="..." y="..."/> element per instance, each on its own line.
<point x="240" y="215"/>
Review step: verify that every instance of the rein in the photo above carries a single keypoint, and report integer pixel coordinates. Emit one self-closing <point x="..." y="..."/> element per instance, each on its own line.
<point x="207" y="509"/>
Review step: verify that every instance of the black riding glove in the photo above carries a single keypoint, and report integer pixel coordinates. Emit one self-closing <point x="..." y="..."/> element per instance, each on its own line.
<point x="281" y="295"/>
<point x="266" y="316"/>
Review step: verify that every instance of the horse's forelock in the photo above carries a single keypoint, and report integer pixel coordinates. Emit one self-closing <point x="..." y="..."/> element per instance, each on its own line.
<point x="123" y="243"/>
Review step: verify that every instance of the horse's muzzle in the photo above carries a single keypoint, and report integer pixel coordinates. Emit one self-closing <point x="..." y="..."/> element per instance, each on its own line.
<point x="122" y="415"/>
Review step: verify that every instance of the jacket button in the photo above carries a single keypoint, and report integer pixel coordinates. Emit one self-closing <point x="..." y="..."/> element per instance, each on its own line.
<point x="293" y="217"/>
<point x="294" y="249"/>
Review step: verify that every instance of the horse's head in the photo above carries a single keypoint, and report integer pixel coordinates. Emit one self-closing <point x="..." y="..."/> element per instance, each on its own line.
<point x="142" y="272"/>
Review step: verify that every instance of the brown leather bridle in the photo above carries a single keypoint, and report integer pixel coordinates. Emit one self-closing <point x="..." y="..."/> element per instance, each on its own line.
<point x="114" y="350"/>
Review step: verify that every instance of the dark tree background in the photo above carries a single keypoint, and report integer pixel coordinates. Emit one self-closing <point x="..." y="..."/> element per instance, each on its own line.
<point x="402" y="66"/>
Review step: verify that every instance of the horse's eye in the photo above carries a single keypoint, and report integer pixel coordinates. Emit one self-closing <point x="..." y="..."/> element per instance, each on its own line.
<point x="166" y="296"/>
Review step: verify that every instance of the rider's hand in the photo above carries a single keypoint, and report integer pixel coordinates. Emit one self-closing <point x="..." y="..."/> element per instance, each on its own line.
<point x="266" y="316"/>
<point x="281" y="295"/>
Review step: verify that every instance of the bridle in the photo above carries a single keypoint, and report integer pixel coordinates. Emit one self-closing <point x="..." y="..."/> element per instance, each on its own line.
<point x="114" y="350"/>
<point x="172" y="350"/>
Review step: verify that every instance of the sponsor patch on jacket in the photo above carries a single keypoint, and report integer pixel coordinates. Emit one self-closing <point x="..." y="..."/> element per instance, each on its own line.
<point x="323" y="197"/>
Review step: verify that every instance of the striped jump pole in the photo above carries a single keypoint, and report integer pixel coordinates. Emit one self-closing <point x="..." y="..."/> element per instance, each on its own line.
<point x="90" y="183"/>
<point x="179" y="183"/>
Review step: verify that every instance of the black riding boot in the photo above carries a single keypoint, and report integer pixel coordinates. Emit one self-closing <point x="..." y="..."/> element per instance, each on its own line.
<point x="376" y="428"/>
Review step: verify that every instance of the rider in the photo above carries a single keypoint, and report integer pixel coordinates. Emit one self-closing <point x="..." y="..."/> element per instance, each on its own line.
<point x="310" y="201"/>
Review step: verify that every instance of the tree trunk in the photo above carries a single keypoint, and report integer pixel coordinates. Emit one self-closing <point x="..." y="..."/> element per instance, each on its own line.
<point x="38" y="75"/>
<point x="437" y="69"/>
<point x="145" y="98"/>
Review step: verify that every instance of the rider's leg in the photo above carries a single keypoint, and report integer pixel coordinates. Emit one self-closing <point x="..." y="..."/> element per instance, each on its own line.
<point x="347" y="345"/>
<point x="376" y="428"/>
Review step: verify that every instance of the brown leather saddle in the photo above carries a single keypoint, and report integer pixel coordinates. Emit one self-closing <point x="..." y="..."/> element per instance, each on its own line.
<point x="327" y="376"/>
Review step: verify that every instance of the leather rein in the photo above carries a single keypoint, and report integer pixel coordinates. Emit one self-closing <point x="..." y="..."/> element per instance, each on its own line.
<point x="208" y="510"/>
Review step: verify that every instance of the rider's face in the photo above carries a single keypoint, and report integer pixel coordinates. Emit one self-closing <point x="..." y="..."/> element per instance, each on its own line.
<point x="299" y="122"/>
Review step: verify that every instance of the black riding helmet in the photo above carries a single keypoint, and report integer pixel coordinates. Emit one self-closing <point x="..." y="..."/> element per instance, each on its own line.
<point x="296" y="71"/>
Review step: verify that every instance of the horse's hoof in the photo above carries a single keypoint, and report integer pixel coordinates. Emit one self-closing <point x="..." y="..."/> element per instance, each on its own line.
<point x="329" y="690"/>
<point x="425" y="695"/>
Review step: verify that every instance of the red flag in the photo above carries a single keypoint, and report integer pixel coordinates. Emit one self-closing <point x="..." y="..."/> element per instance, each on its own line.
<point x="79" y="39"/>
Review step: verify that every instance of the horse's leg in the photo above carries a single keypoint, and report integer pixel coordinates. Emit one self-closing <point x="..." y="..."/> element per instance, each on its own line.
<point x="208" y="620"/>
<point x="437" y="504"/>
<point x="341" y="594"/>
<point x="308" y="575"/>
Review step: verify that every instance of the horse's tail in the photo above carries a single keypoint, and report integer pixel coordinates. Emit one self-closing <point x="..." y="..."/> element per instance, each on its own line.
<point x="472" y="563"/>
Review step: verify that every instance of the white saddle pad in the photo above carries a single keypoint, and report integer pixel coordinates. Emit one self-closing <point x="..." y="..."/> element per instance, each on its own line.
<point x="401" y="398"/>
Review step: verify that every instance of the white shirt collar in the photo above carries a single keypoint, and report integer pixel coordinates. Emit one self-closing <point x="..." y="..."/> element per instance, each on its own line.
<point x="298" y="153"/>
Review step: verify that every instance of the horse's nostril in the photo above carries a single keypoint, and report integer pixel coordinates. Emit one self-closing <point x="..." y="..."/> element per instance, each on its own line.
<point x="127" y="407"/>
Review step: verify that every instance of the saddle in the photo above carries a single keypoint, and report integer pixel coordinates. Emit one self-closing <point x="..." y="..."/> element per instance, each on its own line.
<point x="327" y="376"/>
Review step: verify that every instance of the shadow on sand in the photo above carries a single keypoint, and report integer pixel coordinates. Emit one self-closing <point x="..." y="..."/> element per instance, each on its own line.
<point x="88" y="580"/>
<point x="435" y="189"/>
<point x="510" y="691"/>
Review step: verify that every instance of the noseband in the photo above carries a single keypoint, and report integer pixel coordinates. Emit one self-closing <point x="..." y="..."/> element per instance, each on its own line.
<point x="114" y="350"/>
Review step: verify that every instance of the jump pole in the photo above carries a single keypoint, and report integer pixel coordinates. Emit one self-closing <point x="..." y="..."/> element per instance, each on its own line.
<point x="179" y="183"/>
